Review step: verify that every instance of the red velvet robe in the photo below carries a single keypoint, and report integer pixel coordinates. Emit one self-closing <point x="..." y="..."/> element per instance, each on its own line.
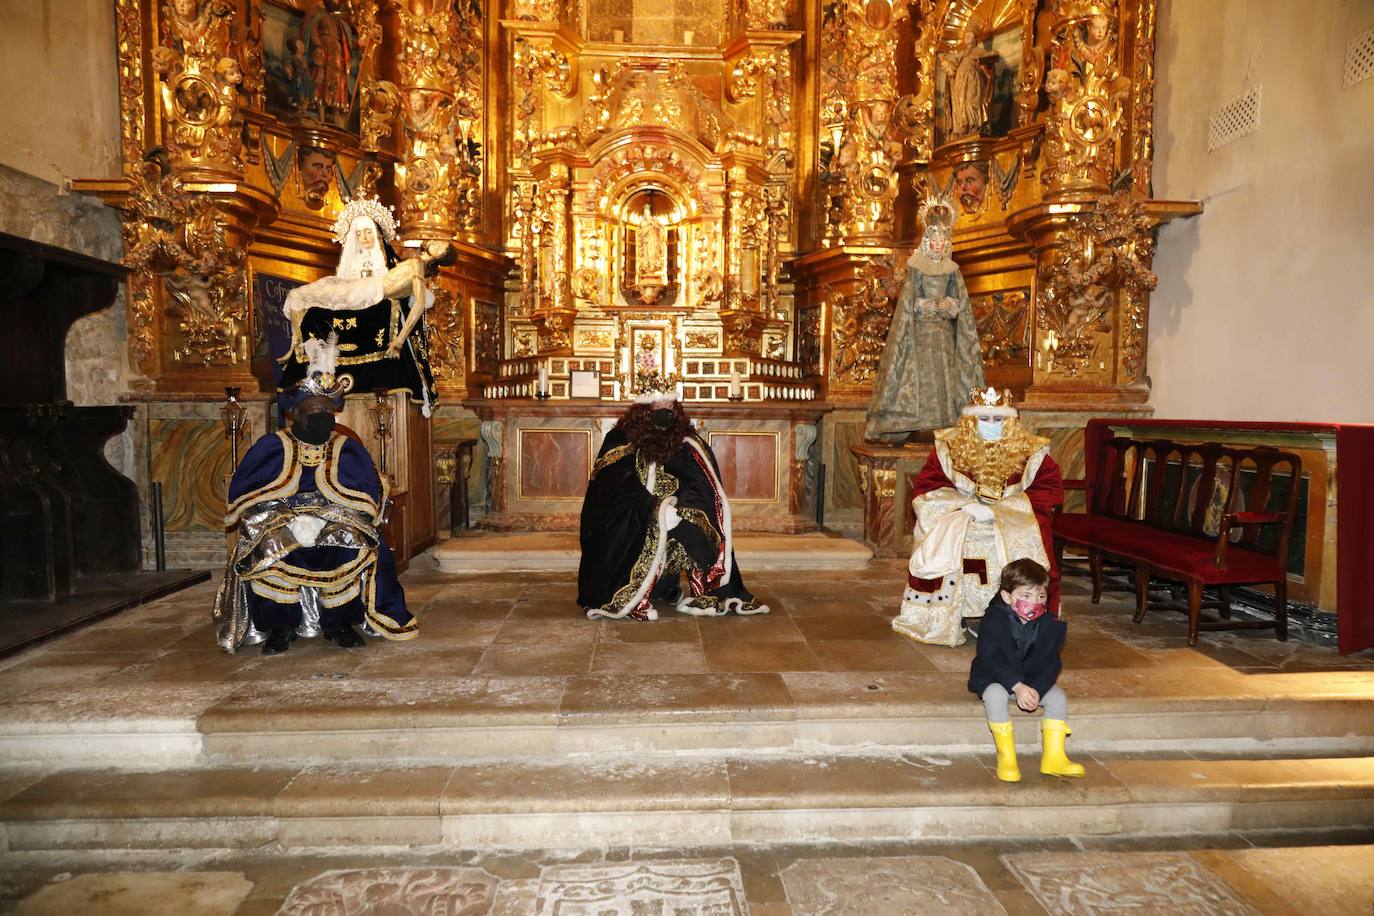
<point x="1046" y="494"/>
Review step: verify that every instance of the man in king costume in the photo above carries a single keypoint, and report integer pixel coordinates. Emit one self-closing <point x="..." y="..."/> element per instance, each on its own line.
<point x="984" y="498"/>
<point x="655" y="509"/>
<point x="309" y="558"/>
<point x="932" y="358"/>
<point x="374" y="304"/>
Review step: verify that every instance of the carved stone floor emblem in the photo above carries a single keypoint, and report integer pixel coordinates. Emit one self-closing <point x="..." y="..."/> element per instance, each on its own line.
<point x="709" y="887"/>
<point x="928" y="885"/>
<point x="1099" y="883"/>
<point x="398" y="891"/>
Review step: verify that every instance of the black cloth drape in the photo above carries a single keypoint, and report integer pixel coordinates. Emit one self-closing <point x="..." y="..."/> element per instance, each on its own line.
<point x="624" y="551"/>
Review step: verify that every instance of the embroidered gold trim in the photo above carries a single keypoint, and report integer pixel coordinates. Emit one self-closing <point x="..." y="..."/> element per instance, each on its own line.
<point x="703" y="521"/>
<point x="990" y="465"/>
<point x="286" y="483"/>
<point x="644" y="565"/>
<point x="609" y="458"/>
<point x="328" y="482"/>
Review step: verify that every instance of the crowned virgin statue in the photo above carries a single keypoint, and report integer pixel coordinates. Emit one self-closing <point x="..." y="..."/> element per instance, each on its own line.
<point x="932" y="358"/>
<point x="374" y="305"/>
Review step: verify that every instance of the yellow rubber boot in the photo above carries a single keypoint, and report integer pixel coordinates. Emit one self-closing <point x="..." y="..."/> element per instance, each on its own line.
<point x="1004" y="736"/>
<point x="1053" y="761"/>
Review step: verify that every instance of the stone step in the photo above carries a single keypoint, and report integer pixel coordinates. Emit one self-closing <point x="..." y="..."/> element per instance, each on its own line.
<point x="420" y="721"/>
<point x="681" y="803"/>
<point x="558" y="551"/>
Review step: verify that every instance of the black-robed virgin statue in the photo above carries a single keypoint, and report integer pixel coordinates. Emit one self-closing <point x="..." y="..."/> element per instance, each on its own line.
<point x="375" y="307"/>
<point x="655" y="509"/>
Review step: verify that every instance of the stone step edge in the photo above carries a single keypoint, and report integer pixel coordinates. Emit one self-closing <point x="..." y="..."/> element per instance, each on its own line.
<point x="1337" y="727"/>
<point x="1186" y="797"/>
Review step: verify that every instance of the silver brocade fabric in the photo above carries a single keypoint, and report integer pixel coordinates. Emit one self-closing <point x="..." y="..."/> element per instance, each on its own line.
<point x="264" y="540"/>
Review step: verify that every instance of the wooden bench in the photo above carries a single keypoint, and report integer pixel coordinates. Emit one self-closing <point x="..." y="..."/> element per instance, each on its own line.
<point x="1206" y="515"/>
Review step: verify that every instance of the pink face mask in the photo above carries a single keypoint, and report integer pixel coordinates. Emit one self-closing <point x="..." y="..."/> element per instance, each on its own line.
<point x="1029" y="610"/>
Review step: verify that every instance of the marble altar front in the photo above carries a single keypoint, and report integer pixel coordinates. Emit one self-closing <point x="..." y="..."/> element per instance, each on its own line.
<point x="540" y="455"/>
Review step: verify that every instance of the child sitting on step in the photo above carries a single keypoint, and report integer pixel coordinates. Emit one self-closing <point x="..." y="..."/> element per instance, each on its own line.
<point x="1018" y="658"/>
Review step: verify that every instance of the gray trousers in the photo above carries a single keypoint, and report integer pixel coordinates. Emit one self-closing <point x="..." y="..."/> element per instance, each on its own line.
<point x="998" y="702"/>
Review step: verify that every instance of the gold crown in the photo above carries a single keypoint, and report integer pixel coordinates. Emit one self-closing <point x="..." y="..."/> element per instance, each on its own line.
<point x="937" y="210"/>
<point x="651" y="386"/>
<point x="989" y="398"/>
<point x="374" y="210"/>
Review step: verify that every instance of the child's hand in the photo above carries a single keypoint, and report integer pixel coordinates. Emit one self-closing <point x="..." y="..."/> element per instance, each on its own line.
<point x="1026" y="697"/>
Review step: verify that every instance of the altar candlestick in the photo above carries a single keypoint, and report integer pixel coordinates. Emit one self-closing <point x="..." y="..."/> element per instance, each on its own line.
<point x="543" y="381"/>
<point x="736" y="388"/>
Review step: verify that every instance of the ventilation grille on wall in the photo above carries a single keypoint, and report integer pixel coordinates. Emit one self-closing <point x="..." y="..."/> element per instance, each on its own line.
<point x="1234" y="120"/>
<point x="1359" y="58"/>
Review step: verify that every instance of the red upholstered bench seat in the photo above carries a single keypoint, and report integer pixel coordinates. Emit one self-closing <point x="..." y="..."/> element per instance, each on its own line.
<point x="1167" y="552"/>
<point x="1156" y="504"/>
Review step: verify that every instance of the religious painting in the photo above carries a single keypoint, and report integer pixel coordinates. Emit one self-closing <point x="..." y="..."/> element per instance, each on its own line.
<point x="975" y="86"/>
<point x="486" y="336"/>
<point x="312" y="60"/>
<point x="274" y="336"/>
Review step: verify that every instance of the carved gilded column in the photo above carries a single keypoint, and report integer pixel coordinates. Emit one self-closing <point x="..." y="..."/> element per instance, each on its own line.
<point x="868" y="150"/>
<point x="426" y="75"/>
<point x="556" y="309"/>
<point x="189" y="215"/>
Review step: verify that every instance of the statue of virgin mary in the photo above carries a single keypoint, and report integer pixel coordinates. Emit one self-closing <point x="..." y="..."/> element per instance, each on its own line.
<point x="374" y="305"/>
<point x="932" y="358"/>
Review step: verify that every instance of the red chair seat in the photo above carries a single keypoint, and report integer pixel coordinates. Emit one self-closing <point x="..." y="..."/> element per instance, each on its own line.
<point x="1168" y="552"/>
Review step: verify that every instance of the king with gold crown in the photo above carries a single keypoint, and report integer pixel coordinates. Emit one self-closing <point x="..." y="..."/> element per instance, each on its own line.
<point x="985" y="497"/>
<point x="655" y="510"/>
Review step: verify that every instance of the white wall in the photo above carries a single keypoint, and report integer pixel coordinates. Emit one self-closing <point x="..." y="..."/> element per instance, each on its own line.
<point x="60" y="115"/>
<point x="1265" y="305"/>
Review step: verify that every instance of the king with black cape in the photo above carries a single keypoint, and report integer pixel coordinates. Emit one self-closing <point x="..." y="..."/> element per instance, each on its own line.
<point x="655" y="509"/>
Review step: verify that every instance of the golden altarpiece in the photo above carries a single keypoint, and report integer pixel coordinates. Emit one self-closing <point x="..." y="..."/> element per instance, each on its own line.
<point x="723" y="191"/>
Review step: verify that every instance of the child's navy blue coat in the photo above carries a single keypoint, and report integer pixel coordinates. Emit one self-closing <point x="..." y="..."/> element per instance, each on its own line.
<point x="999" y="661"/>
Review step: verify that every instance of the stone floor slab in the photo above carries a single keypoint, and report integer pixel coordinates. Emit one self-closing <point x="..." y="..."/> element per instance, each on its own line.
<point x="1097" y="884"/>
<point x="683" y="888"/>
<point x="865" y="886"/>
<point x="373" y="892"/>
<point x="140" y="893"/>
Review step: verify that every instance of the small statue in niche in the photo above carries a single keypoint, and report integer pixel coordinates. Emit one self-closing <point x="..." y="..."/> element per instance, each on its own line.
<point x="650" y="264"/>
<point x="333" y="55"/>
<point x="296" y="69"/>
<point x="970" y="86"/>
<point x="932" y="357"/>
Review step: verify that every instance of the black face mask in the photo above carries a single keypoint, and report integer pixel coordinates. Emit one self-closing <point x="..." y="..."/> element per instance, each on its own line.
<point x="663" y="417"/>
<point x="314" y="428"/>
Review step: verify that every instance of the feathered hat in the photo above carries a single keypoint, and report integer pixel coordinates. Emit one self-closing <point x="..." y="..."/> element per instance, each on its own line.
<point x="990" y="403"/>
<point x="320" y="378"/>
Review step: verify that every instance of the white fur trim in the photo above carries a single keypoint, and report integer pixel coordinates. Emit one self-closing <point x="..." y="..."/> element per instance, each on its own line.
<point x="973" y="410"/>
<point x="650" y="397"/>
<point x="660" y="557"/>
<point x="724" y="508"/>
<point x="687" y="605"/>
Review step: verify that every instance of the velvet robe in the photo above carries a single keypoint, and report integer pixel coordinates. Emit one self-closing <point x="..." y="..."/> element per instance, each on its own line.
<point x="626" y="549"/>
